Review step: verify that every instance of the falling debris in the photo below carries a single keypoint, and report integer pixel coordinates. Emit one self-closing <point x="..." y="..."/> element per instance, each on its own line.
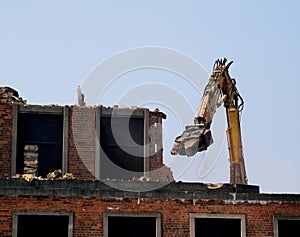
<point x="10" y="96"/>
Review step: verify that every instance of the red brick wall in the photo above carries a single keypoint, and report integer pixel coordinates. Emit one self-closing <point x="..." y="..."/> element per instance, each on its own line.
<point x="81" y="143"/>
<point x="158" y="170"/>
<point x="155" y="133"/>
<point x="6" y="125"/>
<point x="82" y="127"/>
<point x="88" y="213"/>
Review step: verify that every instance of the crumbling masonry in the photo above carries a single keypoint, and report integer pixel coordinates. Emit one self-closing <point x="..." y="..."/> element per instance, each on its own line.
<point x="94" y="202"/>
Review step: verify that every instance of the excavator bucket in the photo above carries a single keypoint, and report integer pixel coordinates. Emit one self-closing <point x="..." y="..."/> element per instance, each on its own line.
<point x="194" y="139"/>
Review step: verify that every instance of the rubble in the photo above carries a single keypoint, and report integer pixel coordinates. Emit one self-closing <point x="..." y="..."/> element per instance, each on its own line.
<point x="28" y="177"/>
<point x="55" y="175"/>
<point x="69" y="176"/>
<point x="135" y="179"/>
<point x="10" y="96"/>
<point x="195" y="138"/>
<point x="214" y="186"/>
<point x="141" y="179"/>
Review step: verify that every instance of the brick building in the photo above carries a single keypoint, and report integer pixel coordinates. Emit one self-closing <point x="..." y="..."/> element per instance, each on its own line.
<point x="122" y="187"/>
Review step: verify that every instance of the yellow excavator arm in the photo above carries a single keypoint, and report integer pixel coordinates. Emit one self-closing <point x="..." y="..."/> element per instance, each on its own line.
<point x="220" y="90"/>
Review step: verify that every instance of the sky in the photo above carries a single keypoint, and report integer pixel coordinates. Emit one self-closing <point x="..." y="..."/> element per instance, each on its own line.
<point x="48" y="48"/>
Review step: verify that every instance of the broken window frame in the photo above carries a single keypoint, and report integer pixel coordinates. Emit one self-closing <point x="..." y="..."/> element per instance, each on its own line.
<point x="277" y="218"/>
<point x="156" y="215"/>
<point x="194" y="216"/>
<point x="47" y="110"/>
<point x="16" y="215"/>
<point x="122" y="112"/>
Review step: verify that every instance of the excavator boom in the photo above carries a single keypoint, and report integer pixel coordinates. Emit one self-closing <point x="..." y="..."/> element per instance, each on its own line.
<point x="220" y="90"/>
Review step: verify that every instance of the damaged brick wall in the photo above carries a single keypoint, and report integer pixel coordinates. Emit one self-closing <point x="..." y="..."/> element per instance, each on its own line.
<point x="82" y="142"/>
<point x="158" y="170"/>
<point x="6" y="127"/>
<point x="82" y="150"/>
<point x="10" y="96"/>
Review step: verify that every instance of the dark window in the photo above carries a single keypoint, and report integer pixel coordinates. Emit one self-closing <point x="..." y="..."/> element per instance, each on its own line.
<point x="122" y="147"/>
<point x="216" y="227"/>
<point x="42" y="135"/>
<point x="131" y="226"/>
<point x="288" y="228"/>
<point x="42" y="225"/>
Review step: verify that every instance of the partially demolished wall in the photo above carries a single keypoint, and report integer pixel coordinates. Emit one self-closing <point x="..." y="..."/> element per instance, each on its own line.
<point x="79" y="137"/>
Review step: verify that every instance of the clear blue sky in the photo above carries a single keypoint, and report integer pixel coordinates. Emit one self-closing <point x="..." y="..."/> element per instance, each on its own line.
<point x="48" y="48"/>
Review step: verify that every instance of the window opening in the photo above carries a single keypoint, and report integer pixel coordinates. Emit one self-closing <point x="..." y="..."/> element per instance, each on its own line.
<point x="42" y="225"/>
<point x="39" y="144"/>
<point x="132" y="224"/>
<point x="213" y="225"/>
<point x="287" y="226"/>
<point x="121" y="157"/>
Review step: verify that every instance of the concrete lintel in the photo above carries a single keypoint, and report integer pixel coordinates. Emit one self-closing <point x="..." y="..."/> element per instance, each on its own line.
<point x="41" y="109"/>
<point x="123" y="112"/>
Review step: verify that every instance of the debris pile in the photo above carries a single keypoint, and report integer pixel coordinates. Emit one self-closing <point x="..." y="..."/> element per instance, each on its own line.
<point x="141" y="179"/>
<point x="69" y="176"/>
<point x="55" y="175"/>
<point x="27" y="177"/>
<point x="10" y="96"/>
<point x="134" y="179"/>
